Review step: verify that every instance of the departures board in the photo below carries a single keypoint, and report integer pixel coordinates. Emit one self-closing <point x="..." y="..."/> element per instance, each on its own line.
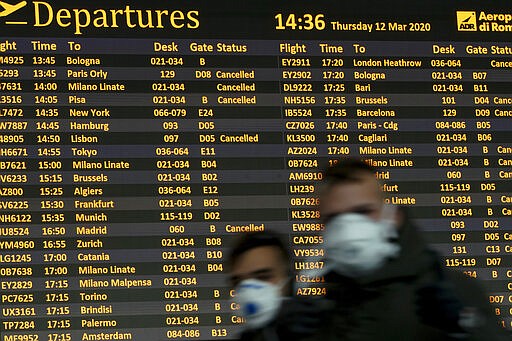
<point x="139" y="138"/>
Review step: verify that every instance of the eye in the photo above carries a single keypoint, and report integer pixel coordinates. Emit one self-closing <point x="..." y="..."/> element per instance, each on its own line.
<point x="234" y="281"/>
<point x="364" y="211"/>
<point x="265" y="277"/>
<point x="327" y="218"/>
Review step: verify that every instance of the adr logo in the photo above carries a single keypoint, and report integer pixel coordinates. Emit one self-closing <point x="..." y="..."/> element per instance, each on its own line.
<point x="466" y="21"/>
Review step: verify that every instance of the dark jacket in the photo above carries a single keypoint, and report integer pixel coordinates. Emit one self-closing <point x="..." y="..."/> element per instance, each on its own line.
<point x="383" y="306"/>
<point x="296" y="318"/>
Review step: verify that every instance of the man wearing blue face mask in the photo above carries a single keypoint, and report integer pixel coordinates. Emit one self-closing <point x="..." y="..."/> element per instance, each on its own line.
<point x="259" y="274"/>
<point x="386" y="283"/>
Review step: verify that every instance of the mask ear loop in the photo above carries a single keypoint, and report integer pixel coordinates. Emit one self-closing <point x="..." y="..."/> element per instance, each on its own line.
<point x="391" y="231"/>
<point x="281" y="285"/>
<point x="388" y="212"/>
<point x="388" y="217"/>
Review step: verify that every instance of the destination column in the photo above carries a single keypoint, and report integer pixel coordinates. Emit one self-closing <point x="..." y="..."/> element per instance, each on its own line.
<point x="114" y="209"/>
<point x="387" y="87"/>
<point x="89" y="127"/>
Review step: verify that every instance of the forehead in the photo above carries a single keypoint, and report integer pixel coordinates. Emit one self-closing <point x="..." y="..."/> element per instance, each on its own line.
<point x="262" y="257"/>
<point x="349" y="196"/>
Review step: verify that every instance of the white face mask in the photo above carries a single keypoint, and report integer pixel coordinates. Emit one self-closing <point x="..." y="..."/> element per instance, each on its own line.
<point x="356" y="245"/>
<point x="259" y="301"/>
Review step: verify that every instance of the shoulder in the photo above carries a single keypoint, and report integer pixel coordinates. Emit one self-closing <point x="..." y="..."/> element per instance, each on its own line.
<point x="463" y="281"/>
<point x="469" y="290"/>
<point x="252" y="335"/>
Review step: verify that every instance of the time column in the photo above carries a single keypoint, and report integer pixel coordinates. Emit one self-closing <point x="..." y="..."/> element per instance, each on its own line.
<point x="49" y="169"/>
<point x="16" y="243"/>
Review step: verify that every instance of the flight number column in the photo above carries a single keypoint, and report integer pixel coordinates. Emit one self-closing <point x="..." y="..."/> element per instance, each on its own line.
<point x="300" y="108"/>
<point x="17" y="246"/>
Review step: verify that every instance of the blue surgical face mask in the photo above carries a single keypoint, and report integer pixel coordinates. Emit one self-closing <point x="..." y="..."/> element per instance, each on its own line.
<point x="259" y="301"/>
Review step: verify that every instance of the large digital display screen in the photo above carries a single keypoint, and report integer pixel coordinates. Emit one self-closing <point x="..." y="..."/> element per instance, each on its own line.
<point x="139" y="138"/>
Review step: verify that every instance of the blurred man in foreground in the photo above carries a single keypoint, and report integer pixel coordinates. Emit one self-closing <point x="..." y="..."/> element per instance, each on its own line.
<point x="259" y="273"/>
<point x="386" y="284"/>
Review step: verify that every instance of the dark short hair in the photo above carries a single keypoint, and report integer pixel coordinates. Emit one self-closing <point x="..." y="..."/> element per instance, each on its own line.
<point x="252" y="240"/>
<point x="348" y="169"/>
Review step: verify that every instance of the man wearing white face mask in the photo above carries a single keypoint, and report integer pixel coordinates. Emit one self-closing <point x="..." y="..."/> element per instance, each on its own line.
<point x="386" y="283"/>
<point x="259" y="274"/>
<point x="356" y="245"/>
